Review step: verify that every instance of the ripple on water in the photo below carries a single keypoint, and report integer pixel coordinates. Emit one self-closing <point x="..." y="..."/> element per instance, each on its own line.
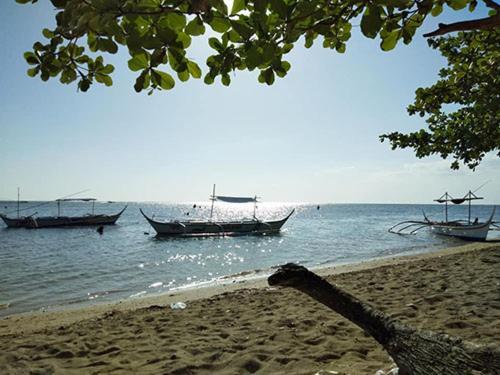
<point x="40" y="268"/>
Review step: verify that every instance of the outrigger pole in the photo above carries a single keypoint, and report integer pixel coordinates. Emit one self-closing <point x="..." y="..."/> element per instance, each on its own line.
<point x="18" y="202"/>
<point x="213" y="200"/>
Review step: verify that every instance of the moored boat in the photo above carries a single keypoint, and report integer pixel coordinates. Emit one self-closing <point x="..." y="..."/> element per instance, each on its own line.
<point x="34" y="221"/>
<point x="464" y="229"/>
<point x="476" y="232"/>
<point x="215" y="228"/>
<point x="204" y="228"/>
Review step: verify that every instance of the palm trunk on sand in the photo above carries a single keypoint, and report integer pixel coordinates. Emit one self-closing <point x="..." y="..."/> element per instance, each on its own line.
<point x="416" y="352"/>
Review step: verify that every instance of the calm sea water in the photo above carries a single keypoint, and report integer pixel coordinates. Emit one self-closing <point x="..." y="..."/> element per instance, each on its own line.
<point x="52" y="268"/>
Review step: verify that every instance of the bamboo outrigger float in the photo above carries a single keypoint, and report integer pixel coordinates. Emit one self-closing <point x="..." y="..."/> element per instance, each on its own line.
<point x="205" y="228"/>
<point x="464" y="229"/>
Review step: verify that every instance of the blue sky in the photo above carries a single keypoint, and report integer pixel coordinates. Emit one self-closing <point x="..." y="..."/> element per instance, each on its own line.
<point x="312" y="136"/>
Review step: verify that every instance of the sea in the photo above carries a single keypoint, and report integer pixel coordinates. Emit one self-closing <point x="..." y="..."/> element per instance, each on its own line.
<point x="57" y="268"/>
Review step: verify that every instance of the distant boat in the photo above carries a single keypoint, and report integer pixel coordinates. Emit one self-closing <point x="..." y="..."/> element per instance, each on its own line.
<point x="203" y="228"/>
<point x="464" y="229"/>
<point x="34" y="221"/>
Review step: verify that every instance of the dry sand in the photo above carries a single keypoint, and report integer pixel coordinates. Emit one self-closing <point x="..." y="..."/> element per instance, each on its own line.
<point x="248" y="327"/>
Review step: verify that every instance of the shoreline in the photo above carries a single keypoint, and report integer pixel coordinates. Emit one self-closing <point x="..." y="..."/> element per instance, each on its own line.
<point x="248" y="327"/>
<point x="35" y="320"/>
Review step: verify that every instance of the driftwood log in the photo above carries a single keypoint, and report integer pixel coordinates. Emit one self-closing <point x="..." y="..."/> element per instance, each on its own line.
<point x="416" y="352"/>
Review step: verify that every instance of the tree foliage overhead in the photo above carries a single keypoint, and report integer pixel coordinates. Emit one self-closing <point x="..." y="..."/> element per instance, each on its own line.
<point x="471" y="85"/>
<point x="461" y="109"/>
<point x="253" y="35"/>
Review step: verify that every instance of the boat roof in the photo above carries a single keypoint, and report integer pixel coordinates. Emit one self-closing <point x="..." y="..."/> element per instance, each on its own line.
<point x="224" y="198"/>
<point x="76" y="199"/>
<point x="470" y="196"/>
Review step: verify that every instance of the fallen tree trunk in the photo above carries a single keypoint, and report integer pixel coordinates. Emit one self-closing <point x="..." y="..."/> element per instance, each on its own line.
<point x="416" y="352"/>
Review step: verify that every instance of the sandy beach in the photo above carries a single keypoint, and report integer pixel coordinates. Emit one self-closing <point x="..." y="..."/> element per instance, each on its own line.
<point x="249" y="327"/>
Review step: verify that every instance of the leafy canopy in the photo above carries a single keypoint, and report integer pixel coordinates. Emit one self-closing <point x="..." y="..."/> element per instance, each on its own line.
<point x="253" y="35"/>
<point x="258" y="34"/>
<point x="471" y="85"/>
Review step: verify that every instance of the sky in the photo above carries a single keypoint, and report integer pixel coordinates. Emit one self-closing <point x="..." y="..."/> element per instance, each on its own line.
<point x="311" y="137"/>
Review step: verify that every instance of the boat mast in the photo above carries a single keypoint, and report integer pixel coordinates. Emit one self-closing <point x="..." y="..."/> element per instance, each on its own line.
<point x="254" y="207"/>
<point x="469" y="196"/>
<point x="446" y="207"/>
<point x="213" y="200"/>
<point x="18" y="203"/>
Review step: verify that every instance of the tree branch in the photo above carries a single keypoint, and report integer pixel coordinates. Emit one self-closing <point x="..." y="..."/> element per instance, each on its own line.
<point x="478" y="24"/>
<point x="491" y="4"/>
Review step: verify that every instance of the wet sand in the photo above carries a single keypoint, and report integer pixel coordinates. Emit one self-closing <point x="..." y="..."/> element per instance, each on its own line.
<point x="248" y="327"/>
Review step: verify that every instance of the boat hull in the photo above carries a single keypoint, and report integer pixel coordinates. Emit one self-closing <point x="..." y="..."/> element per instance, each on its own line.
<point x="212" y="228"/>
<point x="61" y="221"/>
<point x="15" y="222"/>
<point x="466" y="232"/>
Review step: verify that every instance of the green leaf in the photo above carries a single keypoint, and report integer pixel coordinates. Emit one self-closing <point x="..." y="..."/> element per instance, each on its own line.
<point x="108" y="69"/>
<point x="372" y="21"/>
<point x="280" y="7"/>
<point x="219" y="24"/>
<point x="176" y="21"/>
<point x="68" y="76"/>
<point x="142" y="82"/>
<point x="84" y="85"/>
<point x="243" y="29"/>
<point x="162" y="79"/>
<point x="167" y="34"/>
<point x="208" y="79"/>
<point x="159" y="56"/>
<point x="269" y="76"/>
<point x="31" y="58"/>
<point x="436" y="11"/>
<point x="183" y="76"/>
<point x="107" y="45"/>
<point x="184" y="39"/>
<point x="390" y="40"/>
<point x="194" y="69"/>
<point x="215" y="44"/>
<point x="139" y="61"/>
<point x="457" y="4"/>
<point x="226" y="80"/>
<point x="254" y="58"/>
<point x="32" y="72"/>
<point x="103" y="78"/>
<point x="195" y="27"/>
<point x="48" y="33"/>
<point x="237" y="6"/>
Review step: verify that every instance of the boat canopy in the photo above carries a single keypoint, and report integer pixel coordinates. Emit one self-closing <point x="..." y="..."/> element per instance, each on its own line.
<point x="227" y="199"/>
<point x="445" y="198"/>
<point x="76" y="199"/>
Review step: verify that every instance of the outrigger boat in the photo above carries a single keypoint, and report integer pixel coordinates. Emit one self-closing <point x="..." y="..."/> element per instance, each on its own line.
<point x="204" y="228"/>
<point x="464" y="229"/>
<point x="33" y="221"/>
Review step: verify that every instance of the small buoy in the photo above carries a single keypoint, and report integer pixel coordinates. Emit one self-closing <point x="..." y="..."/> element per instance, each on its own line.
<point x="146" y="233"/>
<point x="187" y="213"/>
<point x="194" y="205"/>
<point x="318" y="207"/>
<point x="100" y="230"/>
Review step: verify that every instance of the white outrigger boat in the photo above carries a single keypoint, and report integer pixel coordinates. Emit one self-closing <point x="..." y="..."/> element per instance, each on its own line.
<point x="204" y="228"/>
<point x="464" y="229"/>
